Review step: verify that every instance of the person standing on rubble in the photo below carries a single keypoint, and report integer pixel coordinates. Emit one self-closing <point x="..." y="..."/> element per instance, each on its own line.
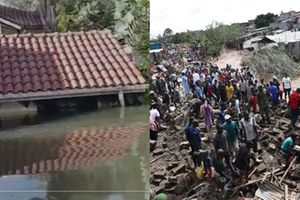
<point x="229" y="90"/>
<point x="185" y="84"/>
<point x="272" y="89"/>
<point x="199" y="90"/>
<point x="242" y="161"/>
<point x="208" y="115"/>
<point x="154" y="121"/>
<point x="231" y="128"/>
<point x="286" y="84"/>
<point x="249" y="133"/>
<point x="192" y="134"/>
<point x="221" y="144"/>
<point x="263" y="104"/>
<point x="294" y="103"/>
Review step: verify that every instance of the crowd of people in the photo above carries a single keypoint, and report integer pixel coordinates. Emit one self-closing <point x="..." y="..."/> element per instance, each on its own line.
<point x="225" y="99"/>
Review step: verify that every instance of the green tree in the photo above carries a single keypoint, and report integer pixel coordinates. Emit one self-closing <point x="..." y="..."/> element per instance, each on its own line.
<point x="74" y="15"/>
<point x="264" y="20"/>
<point x="22" y="4"/>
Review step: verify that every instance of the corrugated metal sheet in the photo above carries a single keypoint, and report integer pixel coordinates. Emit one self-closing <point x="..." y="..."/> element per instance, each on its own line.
<point x="285" y="37"/>
<point x="269" y="191"/>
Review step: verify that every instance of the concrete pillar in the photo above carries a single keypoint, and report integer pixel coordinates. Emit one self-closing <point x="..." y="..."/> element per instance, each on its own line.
<point x="99" y="103"/>
<point x="121" y="98"/>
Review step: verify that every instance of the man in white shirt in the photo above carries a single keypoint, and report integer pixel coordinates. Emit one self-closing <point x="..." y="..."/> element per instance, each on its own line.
<point x="154" y="121"/>
<point x="196" y="77"/>
<point x="286" y="82"/>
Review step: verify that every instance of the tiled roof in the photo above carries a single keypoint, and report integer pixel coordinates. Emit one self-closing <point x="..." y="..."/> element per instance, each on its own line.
<point x="26" y="19"/>
<point x="31" y="63"/>
<point x="80" y="149"/>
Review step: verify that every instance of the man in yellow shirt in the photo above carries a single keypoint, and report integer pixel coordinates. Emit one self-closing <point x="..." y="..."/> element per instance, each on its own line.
<point x="229" y="90"/>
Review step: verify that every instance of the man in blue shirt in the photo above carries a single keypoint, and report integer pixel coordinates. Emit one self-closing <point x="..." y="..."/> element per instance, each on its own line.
<point x="272" y="89"/>
<point x="198" y="90"/>
<point x="192" y="134"/>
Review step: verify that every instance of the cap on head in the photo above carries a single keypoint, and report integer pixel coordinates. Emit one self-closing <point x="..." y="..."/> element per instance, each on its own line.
<point x="227" y="117"/>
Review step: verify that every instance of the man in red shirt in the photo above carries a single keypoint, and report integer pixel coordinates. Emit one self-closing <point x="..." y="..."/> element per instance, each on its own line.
<point x="294" y="102"/>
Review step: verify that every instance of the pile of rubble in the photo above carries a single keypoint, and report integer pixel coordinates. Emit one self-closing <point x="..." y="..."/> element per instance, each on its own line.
<point x="172" y="168"/>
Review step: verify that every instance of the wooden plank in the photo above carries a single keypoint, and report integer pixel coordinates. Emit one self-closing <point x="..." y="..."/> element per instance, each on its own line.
<point x="272" y="172"/>
<point x="287" y="170"/>
<point x="31" y="96"/>
<point x="286" y="192"/>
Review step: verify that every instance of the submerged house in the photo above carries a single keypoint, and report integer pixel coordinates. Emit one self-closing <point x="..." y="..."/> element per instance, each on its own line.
<point x="65" y="65"/>
<point x="13" y="20"/>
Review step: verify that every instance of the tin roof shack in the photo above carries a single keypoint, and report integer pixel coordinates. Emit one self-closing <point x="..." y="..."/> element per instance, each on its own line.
<point x="13" y="20"/>
<point x="289" y="41"/>
<point x="257" y="43"/>
<point x="65" y="65"/>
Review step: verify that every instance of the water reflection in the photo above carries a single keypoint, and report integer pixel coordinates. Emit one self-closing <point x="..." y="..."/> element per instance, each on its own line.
<point x="85" y="156"/>
<point x="82" y="148"/>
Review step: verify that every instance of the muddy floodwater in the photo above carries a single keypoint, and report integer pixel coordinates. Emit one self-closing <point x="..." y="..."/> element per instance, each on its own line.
<point x="75" y="156"/>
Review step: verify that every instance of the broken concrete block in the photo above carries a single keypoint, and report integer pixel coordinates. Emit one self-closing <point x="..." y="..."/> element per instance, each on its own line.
<point x="156" y="182"/>
<point x="184" y="152"/>
<point x="157" y="152"/>
<point x="179" y="169"/>
<point x="160" y="175"/>
<point x="272" y="146"/>
<point x="173" y="179"/>
<point x="170" y="190"/>
<point x="184" y="145"/>
<point x="261" y="167"/>
<point x="164" y="145"/>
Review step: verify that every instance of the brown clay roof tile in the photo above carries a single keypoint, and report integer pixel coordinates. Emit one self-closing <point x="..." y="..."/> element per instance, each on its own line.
<point x="75" y="60"/>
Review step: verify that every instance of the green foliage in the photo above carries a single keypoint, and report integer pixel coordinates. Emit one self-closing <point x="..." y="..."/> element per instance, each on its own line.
<point x="140" y="8"/>
<point x="212" y="39"/>
<point x="74" y="15"/>
<point x="22" y="4"/>
<point x="269" y="61"/>
<point x="264" y="20"/>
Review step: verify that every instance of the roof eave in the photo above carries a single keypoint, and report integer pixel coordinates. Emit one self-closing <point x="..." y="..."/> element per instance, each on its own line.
<point x="34" y="96"/>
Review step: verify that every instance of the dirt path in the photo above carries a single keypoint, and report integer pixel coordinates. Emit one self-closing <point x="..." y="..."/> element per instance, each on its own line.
<point x="231" y="57"/>
<point x="234" y="58"/>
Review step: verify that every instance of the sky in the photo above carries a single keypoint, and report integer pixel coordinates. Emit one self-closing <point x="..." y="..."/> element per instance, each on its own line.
<point x="182" y="15"/>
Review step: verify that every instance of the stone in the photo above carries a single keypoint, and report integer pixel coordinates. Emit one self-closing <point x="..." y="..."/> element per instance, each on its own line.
<point x="156" y="182"/>
<point x="170" y="190"/>
<point x="261" y="167"/>
<point x="173" y="179"/>
<point x="164" y="145"/>
<point x="169" y="185"/>
<point x="272" y="146"/>
<point x="184" y="152"/>
<point x="178" y="128"/>
<point x="276" y="131"/>
<point x="171" y="165"/>
<point x="179" y="169"/>
<point x="184" y="145"/>
<point x="157" y="152"/>
<point x="160" y="189"/>
<point x="160" y="175"/>
<point x="152" y="145"/>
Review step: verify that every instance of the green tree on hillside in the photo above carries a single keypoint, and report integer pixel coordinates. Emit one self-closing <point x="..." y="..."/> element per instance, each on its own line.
<point x="264" y="20"/>
<point x="74" y="15"/>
